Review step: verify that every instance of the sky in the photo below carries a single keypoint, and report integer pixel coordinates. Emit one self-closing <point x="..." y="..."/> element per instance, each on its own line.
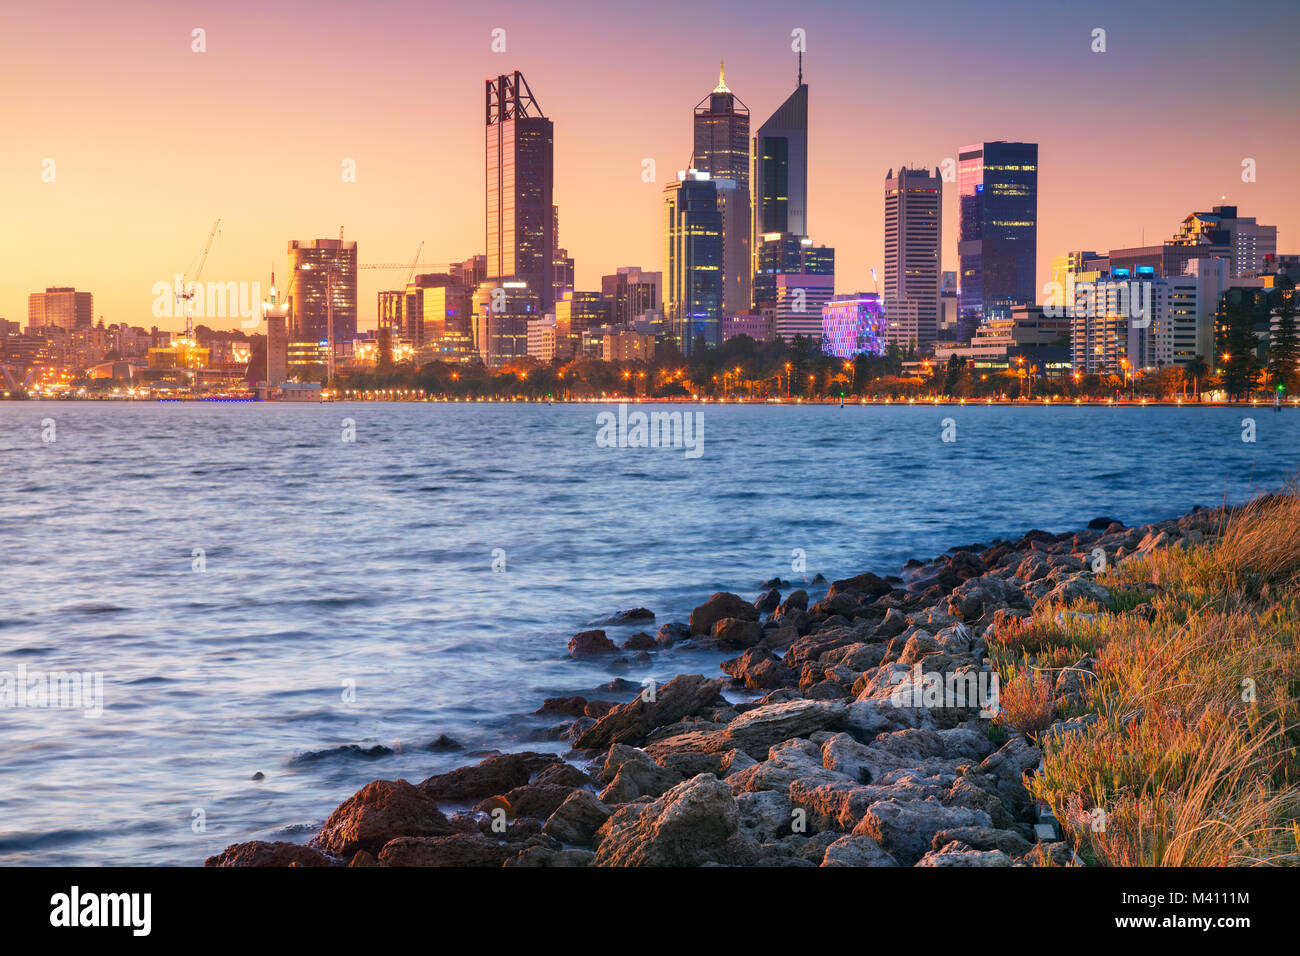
<point x="151" y="142"/>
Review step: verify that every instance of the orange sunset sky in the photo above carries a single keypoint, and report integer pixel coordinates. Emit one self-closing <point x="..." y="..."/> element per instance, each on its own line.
<point x="151" y="142"/>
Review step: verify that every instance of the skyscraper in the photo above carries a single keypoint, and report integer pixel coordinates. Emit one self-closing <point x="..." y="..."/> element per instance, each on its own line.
<point x="997" y="243"/>
<point x="310" y="263"/>
<point x="60" y="306"/>
<point x="722" y="151"/>
<point x="520" y="172"/>
<point x="913" y="236"/>
<point x="692" y="259"/>
<point x="780" y="176"/>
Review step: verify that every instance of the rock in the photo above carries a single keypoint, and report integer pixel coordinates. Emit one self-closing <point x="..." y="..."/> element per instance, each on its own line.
<point x="577" y="819"/>
<point x="1008" y="841"/>
<point x="635" y="614"/>
<point x="536" y="800"/>
<point x="957" y="853"/>
<point x="362" y="858"/>
<point x="671" y="633"/>
<point x="545" y="856"/>
<point x="794" y="601"/>
<point x="590" y="642"/>
<point x="444" y="744"/>
<point x="490" y="776"/>
<point x="867" y="584"/>
<point x="258" y="776"/>
<point x="692" y="824"/>
<point x="683" y="696"/>
<point x="377" y="813"/>
<point x="571" y="706"/>
<point x="757" y="730"/>
<point x="640" y="777"/>
<point x="459" y="850"/>
<point x="734" y="633"/>
<point x="640" y="641"/>
<point x="768" y="601"/>
<point x="1104" y="524"/>
<point x="856" y="850"/>
<point x="563" y="775"/>
<point x="905" y="828"/>
<point x="764" y="814"/>
<point x="759" y="669"/>
<point x="787" y="763"/>
<point x="259" y="853"/>
<point x="1075" y="589"/>
<point x="721" y="605"/>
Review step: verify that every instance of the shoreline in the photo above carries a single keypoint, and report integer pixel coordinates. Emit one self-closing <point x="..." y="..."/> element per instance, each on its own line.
<point x="854" y="746"/>
<point x="615" y="400"/>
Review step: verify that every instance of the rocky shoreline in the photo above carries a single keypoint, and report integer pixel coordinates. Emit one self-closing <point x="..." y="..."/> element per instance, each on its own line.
<point x="876" y="741"/>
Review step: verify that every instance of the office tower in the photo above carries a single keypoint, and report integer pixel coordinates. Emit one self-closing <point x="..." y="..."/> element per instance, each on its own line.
<point x="997" y="185"/>
<point x="391" y="314"/>
<point x="722" y="150"/>
<point x="446" y="313"/>
<point x="561" y="261"/>
<point x="575" y="314"/>
<point x="853" y="325"/>
<point x="913" y="233"/>
<point x="783" y="253"/>
<point x="501" y="312"/>
<point x="310" y="263"/>
<point x="520" y="172"/>
<point x="469" y="273"/>
<point x="631" y="293"/>
<point x="1248" y="243"/>
<point x="692" y="260"/>
<point x="1125" y="321"/>
<point x="60" y="306"/>
<point x="780" y="169"/>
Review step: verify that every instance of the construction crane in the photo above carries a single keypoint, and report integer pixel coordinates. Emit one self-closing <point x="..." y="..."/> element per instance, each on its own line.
<point x="184" y="298"/>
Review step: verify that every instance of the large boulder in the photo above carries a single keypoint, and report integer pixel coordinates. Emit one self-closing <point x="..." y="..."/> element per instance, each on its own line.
<point x="721" y="605"/>
<point x="906" y="828"/>
<point x="376" y="814"/>
<point x="491" y="776"/>
<point x="957" y="853"/>
<point x="759" y="669"/>
<point x="756" y="730"/>
<point x="577" y="819"/>
<point x="591" y="642"/>
<point x="867" y="584"/>
<point x="259" y="853"/>
<point x="537" y="800"/>
<point x="1079" y="588"/>
<point x="857" y="850"/>
<point x="692" y="824"/>
<point x="463" y="849"/>
<point x="683" y="696"/>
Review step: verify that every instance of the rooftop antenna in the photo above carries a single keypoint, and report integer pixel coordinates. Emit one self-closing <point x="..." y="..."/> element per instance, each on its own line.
<point x="800" y="68"/>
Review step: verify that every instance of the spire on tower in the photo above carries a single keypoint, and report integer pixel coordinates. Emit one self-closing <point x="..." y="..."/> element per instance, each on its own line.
<point x="722" y="80"/>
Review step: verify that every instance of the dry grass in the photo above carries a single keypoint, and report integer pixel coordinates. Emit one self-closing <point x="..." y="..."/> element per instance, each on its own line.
<point x="1192" y="760"/>
<point x="1027" y="702"/>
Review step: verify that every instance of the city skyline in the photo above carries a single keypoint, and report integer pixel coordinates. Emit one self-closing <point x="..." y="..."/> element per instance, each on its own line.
<point x="155" y="163"/>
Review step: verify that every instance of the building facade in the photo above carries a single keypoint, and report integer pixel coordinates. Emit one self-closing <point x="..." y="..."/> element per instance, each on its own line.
<point x="913" y="239"/>
<point x="692" y="260"/>
<point x="311" y="263"/>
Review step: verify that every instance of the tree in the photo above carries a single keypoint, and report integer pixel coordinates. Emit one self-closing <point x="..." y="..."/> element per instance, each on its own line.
<point x="1199" y="372"/>
<point x="953" y="379"/>
<point x="1283" y="371"/>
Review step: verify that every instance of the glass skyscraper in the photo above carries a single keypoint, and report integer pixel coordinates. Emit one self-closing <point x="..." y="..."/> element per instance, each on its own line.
<point x="780" y="175"/>
<point x="997" y="243"/>
<point x="692" y="259"/>
<point x="722" y="150"/>
<point x="520" y="182"/>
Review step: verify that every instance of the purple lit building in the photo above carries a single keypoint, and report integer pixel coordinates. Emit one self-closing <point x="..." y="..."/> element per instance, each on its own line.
<point x="853" y="325"/>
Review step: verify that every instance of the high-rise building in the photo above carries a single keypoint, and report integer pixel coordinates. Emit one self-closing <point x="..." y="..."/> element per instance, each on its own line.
<point x="780" y="171"/>
<point x="500" y="324"/>
<point x="575" y="314"/>
<point x="1248" y="243"/>
<point x="60" y="306"/>
<point x="310" y="265"/>
<point x="722" y="151"/>
<point x="631" y="293"/>
<point x="692" y="260"/>
<point x="469" y="273"/>
<point x="447" y="323"/>
<point x="561" y="261"/>
<point x="520" y="173"/>
<point x="997" y="247"/>
<point x="913" y="235"/>
<point x="779" y="253"/>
